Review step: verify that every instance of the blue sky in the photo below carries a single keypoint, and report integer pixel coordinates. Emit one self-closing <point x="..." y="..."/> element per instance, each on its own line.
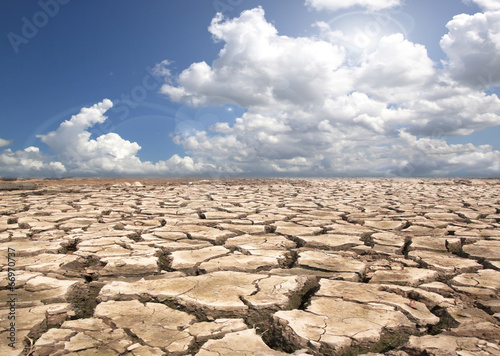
<point x="276" y="88"/>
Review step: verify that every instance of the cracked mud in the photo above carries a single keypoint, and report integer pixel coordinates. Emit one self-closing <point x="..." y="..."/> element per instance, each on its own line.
<point x="252" y="267"/>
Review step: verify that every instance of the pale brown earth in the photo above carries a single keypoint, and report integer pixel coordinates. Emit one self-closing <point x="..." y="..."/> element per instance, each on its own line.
<point x="252" y="267"/>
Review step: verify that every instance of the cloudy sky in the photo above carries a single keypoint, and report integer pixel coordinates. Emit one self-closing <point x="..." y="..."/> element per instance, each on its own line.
<point x="221" y="88"/>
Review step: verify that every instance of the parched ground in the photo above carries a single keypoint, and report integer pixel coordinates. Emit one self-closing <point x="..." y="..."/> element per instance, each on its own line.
<point x="251" y="267"/>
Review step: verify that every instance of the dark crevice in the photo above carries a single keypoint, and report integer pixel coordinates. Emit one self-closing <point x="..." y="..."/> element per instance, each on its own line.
<point x="306" y="298"/>
<point x="465" y="218"/>
<point x="481" y="260"/>
<point x="173" y="303"/>
<point x="165" y="261"/>
<point x="406" y="225"/>
<point x="134" y="337"/>
<point x="366" y="279"/>
<point x="83" y="298"/>
<point x="488" y="265"/>
<point x="269" y="229"/>
<point x="390" y="340"/>
<point x="481" y="304"/>
<point x="136" y="236"/>
<point x="405" y="250"/>
<point x="35" y="333"/>
<point x="367" y="239"/>
<point x="290" y="259"/>
<point x="446" y="321"/>
<point x="69" y="247"/>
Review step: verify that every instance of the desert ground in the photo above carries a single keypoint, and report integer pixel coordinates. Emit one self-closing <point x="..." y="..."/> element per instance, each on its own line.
<point x="221" y="267"/>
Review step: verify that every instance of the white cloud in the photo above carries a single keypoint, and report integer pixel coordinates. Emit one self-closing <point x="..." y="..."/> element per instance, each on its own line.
<point x="453" y="111"/>
<point x="334" y="5"/>
<point x="29" y="162"/>
<point x="397" y="84"/>
<point x="4" y="143"/>
<point x="313" y="107"/>
<point x="473" y="47"/>
<point x="79" y="155"/>
<point x="427" y="156"/>
<point x="488" y="4"/>
<point x="106" y="154"/>
<point x="396" y="64"/>
<point x="162" y="69"/>
<point x="311" y="110"/>
<point x="253" y="68"/>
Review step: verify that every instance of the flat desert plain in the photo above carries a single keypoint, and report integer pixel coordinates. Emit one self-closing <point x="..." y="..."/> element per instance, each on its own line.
<point x="250" y="267"/>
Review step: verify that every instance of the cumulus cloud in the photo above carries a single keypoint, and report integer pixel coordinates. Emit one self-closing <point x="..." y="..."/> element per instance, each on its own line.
<point x="488" y="4"/>
<point x="72" y="144"/>
<point x="253" y="68"/>
<point x="434" y="157"/>
<point x="76" y="154"/>
<point x="332" y="151"/>
<point x="313" y="107"/>
<point x="108" y="154"/>
<point x="473" y="47"/>
<point x="396" y="63"/>
<point x="4" y="143"/>
<point x="334" y="5"/>
<point x="29" y="162"/>
<point x="313" y="111"/>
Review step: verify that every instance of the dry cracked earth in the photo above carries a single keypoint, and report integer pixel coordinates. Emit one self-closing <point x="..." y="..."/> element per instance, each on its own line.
<point x="251" y="267"/>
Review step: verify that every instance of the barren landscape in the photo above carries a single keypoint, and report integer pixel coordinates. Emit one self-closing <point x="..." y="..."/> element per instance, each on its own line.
<point x="250" y="267"/>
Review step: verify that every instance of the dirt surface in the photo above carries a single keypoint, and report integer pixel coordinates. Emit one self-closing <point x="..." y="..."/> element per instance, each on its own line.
<point x="250" y="267"/>
<point x="156" y="181"/>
